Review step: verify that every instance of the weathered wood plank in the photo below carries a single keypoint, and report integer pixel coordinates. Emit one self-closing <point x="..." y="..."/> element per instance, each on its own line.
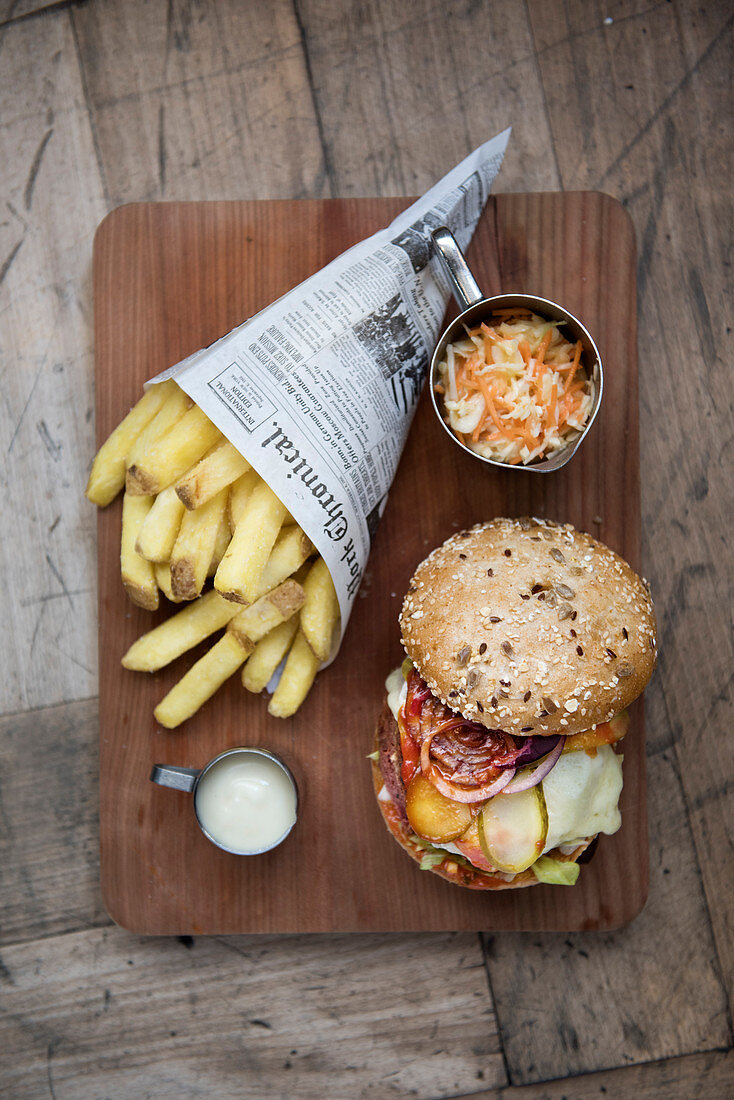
<point x="53" y="201"/>
<point x="202" y="101"/>
<point x="22" y="9"/>
<point x="704" y="1075"/>
<point x="404" y="91"/>
<point x="572" y="1004"/>
<point x="651" y="126"/>
<point x="49" y="828"/>
<point x="103" y="1013"/>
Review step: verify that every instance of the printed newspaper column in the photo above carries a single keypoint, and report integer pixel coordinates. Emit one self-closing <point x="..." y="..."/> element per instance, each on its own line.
<point x="318" y="390"/>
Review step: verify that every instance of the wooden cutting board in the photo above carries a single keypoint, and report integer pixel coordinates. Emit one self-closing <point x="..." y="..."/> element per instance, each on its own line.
<point x="171" y="278"/>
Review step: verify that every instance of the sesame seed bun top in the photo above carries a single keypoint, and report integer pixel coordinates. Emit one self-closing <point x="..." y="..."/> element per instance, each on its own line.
<point x="530" y="627"/>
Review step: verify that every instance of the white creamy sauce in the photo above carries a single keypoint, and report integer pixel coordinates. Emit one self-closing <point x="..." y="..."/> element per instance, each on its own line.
<point x="246" y="802"/>
<point x="396" y="687"/>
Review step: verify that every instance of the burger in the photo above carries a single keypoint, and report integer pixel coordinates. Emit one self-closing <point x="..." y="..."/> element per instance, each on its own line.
<point x="497" y="760"/>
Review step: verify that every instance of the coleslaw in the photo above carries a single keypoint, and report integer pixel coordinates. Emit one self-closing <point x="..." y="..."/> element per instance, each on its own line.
<point x="515" y="390"/>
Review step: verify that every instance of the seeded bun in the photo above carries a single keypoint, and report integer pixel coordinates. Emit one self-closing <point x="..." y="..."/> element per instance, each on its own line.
<point x="530" y="627"/>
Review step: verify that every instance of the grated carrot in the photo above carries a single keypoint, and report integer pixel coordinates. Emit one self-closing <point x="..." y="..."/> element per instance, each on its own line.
<point x="576" y="361"/>
<point x="487" y="395"/>
<point x="552" y="406"/>
<point x="542" y="350"/>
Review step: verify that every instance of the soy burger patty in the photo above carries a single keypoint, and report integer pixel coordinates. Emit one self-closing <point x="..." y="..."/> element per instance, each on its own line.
<point x="526" y="641"/>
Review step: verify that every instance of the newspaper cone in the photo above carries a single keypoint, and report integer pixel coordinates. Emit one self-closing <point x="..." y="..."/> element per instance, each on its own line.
<point x="318" y="390"/>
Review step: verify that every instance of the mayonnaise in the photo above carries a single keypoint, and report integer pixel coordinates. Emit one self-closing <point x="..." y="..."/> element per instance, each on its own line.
<point x="246" y="802"/>
<point x="397" y="689"/>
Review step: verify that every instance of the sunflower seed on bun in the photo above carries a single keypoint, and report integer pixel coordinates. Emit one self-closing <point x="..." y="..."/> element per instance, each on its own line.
<point x="530" y="626"/>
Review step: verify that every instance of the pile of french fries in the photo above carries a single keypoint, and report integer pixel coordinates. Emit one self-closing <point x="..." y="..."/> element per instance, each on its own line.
<point x="193" y="509"/>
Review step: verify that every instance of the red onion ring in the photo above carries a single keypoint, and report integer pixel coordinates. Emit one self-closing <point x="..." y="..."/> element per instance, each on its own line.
<point x="534" y="774"/>
<point x="469" y="794"/>
<point x="449" y="724"/>
<point x="452" y="790"/>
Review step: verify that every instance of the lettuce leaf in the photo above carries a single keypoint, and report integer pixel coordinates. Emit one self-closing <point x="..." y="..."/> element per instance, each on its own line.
<point x="432" y="859"/>
<point x="554" y="872"/>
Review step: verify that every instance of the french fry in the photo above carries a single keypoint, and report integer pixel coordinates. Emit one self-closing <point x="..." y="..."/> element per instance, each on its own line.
<point x="257" y="620"/>
<point x="171" y="456"/>
<point x="213" y="473"/>
<point x="181" y="632"/>
<point x="201" y="681"/>
<point x="301" y="574"/>
<point x="222" y="542"/>
<point x="193" y="550"/>
<point x="162" y="571"/>
<point x="160" y="527"/>
<point x="170" y="412"/>
<point x="320" y="612"/>
<point x="138" y="575"/>
<point x="292" y="548"/>
<point x="267" y="655"/>
<point x="239" y="574"/>
<point x="107" y="476"/>
<point x="239" y="495"/>
<point x="295" y="682"/>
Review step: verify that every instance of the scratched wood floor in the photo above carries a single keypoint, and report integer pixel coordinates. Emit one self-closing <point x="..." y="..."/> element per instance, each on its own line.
<point x="111" y="101"/>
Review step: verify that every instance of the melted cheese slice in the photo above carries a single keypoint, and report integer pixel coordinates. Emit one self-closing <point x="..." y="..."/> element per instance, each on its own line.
<point x="581" y="794"/>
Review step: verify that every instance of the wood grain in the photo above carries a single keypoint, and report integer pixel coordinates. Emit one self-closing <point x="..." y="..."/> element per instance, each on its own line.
<point x="49" y="822"/>
<point x="253" y="133"/>
<point x="705" y="1075"/>
<point x="171" y="278"/>
<point x="654" y="127"/>
<point x="624" y="96"/>
<point x="378" y="137"/>
<point x="15" y="10"/>
<point x="46" y="436"/>
<point x="114" y="1015"/>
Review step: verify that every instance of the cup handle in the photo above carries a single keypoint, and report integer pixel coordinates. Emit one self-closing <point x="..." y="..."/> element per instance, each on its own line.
<point x="466" y="288"/>
<point x="181" y="779"/>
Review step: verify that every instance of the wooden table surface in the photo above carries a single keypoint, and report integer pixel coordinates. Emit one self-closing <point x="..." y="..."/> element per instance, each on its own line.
<point x="112" y="101"/>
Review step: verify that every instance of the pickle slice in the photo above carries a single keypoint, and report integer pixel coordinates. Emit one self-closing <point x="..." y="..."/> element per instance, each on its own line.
<point x="513" y="829"/>
<point x="431" y="814"/>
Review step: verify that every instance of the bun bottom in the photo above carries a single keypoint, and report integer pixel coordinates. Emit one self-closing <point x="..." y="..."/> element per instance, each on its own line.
<point x="453" y="869"/>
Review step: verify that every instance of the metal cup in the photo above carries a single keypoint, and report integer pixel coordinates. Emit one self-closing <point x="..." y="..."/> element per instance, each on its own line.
<point x="477" y="308"/>
<point x="189" y="779"/>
